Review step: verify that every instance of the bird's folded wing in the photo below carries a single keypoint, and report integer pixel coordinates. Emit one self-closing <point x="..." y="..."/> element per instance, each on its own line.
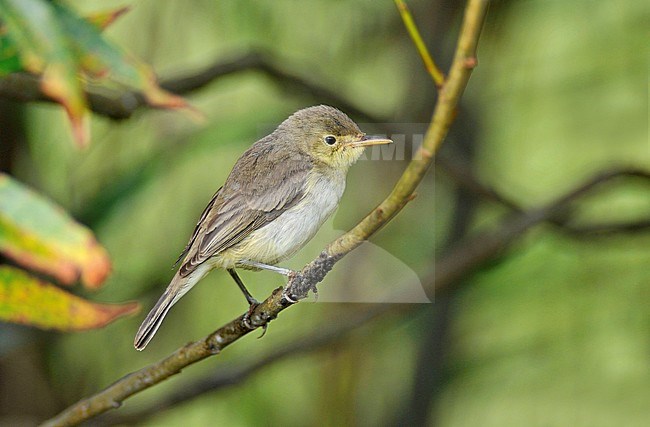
<point x="201" y="220"/>
<point x="243" y="205"/>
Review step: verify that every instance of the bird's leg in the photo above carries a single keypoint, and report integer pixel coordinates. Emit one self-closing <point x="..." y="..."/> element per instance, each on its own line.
<point x="284" y="271"/>
<point x="251" y="301"/>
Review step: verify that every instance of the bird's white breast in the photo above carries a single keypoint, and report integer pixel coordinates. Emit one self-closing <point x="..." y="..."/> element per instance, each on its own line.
<point x="290" y="231"/>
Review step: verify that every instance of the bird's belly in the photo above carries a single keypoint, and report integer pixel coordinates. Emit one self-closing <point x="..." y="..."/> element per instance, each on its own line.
<point x="290" y="231"/>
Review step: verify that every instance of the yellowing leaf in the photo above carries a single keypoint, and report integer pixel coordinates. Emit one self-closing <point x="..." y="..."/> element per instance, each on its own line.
<point x="44" y="47"/>
<point x="48" y="38"/>
<point x="40" y="235"/>
<point x="103" y="19"/>
<point x="30" y="301"/>
<point x="100" y="58"/>
<point x="61" y="83"/>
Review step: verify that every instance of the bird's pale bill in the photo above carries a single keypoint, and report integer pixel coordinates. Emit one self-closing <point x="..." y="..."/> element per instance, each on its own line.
<point x="367" y="141"/>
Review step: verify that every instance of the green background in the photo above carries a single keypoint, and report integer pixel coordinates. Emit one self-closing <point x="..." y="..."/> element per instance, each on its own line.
<point x="553" y="333"/>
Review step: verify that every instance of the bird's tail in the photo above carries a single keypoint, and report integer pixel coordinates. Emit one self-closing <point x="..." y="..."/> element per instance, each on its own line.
<point x="175" y="290"/>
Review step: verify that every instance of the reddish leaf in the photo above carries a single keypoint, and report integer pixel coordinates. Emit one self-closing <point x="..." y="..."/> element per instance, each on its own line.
<point x="100" y="58"/>
<point x="30" y="301"/>
<point x="103" y="19"/>
<point x="60" y="82"/>
<point x="50" y="39"/>
<point x="40" y="235"/>
<point x="43" y="47"/>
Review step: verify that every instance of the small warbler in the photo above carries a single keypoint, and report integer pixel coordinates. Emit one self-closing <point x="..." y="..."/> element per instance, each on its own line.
<point x="275" y="199"/>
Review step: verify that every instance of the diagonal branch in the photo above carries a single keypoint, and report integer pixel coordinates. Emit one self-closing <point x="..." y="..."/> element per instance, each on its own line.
<point x="298" y="286"/>
<point x="473" y="253"/>
<point x="227" y="377"/>
<point x="606" y="229"/>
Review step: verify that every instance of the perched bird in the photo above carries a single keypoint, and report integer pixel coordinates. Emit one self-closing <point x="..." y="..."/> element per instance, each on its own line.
<point x="275" y="199"/>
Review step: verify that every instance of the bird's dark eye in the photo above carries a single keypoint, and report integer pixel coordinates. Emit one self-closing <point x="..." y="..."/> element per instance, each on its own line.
<point x="330" y="140"/>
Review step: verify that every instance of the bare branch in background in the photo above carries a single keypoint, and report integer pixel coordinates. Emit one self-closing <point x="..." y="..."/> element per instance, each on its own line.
<point x="119" y="106"/>
<point x="465" y="177"/>
<point x="606" y="229"/>
<point x="472" y="252"/>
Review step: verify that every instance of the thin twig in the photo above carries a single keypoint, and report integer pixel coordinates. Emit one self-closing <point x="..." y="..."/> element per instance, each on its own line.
<point x="606" y="229"/>
<point x="465" y="177"/>
<point x="472" y="252"/>
<point x="429" y="64"/>
<point x="315" y="271"/>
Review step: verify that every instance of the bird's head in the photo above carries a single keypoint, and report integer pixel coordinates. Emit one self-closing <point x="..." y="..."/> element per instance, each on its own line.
<point x="328" y="136"/>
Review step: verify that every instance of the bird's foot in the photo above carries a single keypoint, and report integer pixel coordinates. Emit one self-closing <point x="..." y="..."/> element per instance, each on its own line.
<point x="246" y="321"/>
<point x="291" y="274"/>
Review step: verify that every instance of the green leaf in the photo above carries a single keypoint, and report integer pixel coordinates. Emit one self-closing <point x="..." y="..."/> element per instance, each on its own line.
<point x="9" y="55"/>
<point x="44" y="47"/>
<point x="37" y="234"/>
<point x="30" y="301"/>
<point x="9" y="60"/>
<point x="50" y="39"/>
<point x="100" y="58"/>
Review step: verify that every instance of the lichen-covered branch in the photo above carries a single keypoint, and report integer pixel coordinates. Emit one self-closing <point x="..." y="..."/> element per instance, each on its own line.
<point x="298" y="286"/>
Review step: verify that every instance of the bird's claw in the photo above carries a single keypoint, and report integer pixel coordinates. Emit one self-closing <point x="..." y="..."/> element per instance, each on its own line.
<point x="265" y="327"/>
<point x="285" y="295"/>
<point x="288" y="298"/>
<point x="246" y="321"/>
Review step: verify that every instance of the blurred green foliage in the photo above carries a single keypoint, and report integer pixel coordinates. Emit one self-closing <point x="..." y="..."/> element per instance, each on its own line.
<point x="554" y="333"/>
<point x="49" y="39"/>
